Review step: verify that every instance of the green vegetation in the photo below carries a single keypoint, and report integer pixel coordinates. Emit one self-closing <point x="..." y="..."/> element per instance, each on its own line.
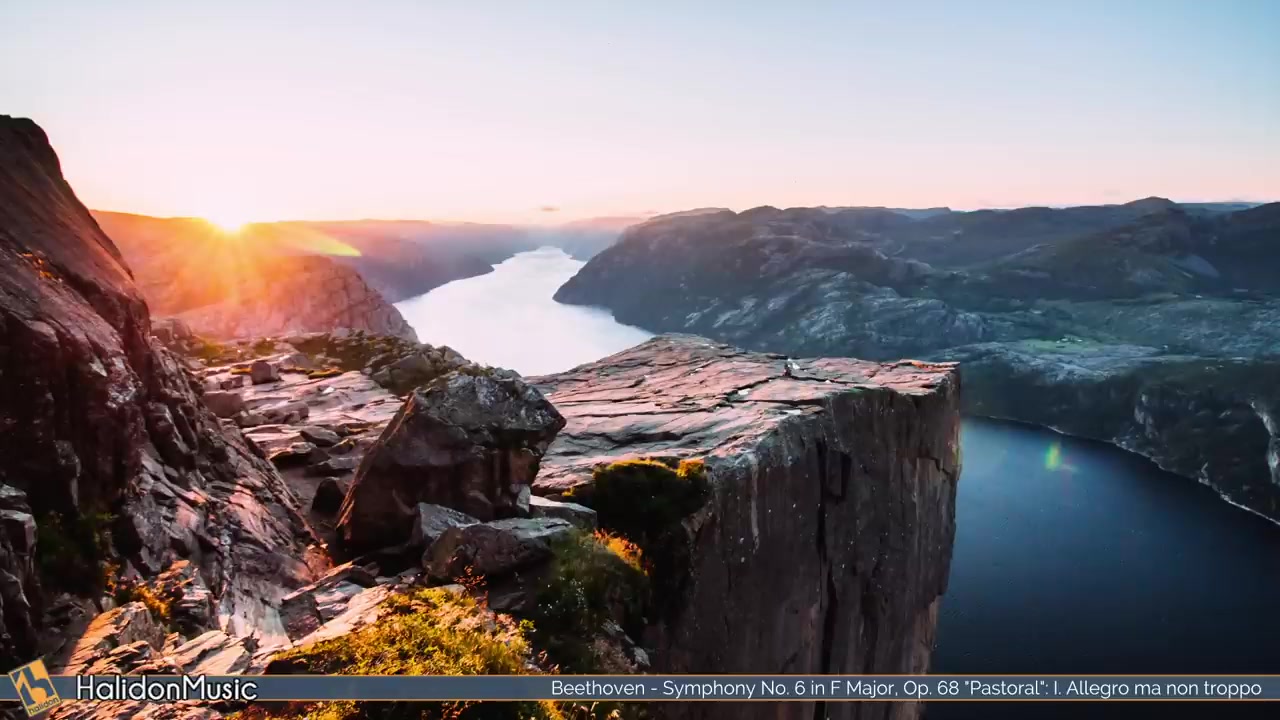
<point x="646" y="501"/>
<point x="594" y="579"/>
<point x="72" y="551"/>
<point x="354" y="352"/>
<point x="643" y="500"/>
<point x="425" y="632"/>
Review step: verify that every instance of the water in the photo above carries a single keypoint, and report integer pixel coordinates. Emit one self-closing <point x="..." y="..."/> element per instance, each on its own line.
<point x="1076" y="557"/>
<point x="1070" y="556"/>
<point x="508" y="319"/>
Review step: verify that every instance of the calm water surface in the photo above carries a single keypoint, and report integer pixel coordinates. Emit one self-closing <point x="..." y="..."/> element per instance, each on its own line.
<point x="1070" y="556"/>
<point x="508" y="319"/>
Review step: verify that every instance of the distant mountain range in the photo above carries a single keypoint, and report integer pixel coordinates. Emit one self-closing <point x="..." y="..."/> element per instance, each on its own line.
<point x="1153" y="325"/>
<point x="398" y="258"/>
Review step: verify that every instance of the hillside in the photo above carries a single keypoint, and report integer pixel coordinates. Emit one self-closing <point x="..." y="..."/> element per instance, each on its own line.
<point x="1150" y="298"/>
<point x="257" y="281"/>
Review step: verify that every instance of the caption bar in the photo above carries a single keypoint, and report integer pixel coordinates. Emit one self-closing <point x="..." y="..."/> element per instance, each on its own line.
<point x="642" y="688"/>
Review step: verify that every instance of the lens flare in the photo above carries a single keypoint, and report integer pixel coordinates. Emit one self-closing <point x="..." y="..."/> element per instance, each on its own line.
<point x="1053" y="457"/>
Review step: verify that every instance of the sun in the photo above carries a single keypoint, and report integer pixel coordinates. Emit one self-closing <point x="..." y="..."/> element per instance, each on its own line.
<point x="228" y="223"/>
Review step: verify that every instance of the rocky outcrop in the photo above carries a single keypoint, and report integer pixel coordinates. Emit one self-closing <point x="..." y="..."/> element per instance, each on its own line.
<point x="825" y="543"/>
<point x="20" y="592"/>
<point x="469" y="440"/>
<point x="125" y="470"/>
<point x="300" y="294"/>
<point x="1194" y="286"/>
<point x="494" y="549"/>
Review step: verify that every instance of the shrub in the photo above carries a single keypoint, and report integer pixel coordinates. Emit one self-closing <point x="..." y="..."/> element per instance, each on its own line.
<point x="160" y="608"/>
<point x="643" y="499"/>
<point x="646" y="501"/>
<point x="72" y="552"/>
<point x="592" y="580"/>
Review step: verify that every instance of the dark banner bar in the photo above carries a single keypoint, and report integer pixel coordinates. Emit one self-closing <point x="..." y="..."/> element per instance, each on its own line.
<point x="645" y="688"/>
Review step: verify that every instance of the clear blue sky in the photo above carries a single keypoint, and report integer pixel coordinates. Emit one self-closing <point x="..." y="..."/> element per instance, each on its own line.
<point x="490" y="110"/>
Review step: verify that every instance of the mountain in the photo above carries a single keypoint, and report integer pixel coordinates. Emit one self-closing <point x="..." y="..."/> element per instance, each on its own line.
<point x="111" y="465"/>
<point x="1143" y="324"/>
<point x="582" y="239"/>
<point x="262" y="280"/>
<point x="406" y="258"/>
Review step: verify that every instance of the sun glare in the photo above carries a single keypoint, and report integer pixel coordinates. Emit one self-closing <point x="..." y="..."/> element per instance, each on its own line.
<point x="227" y="223"/>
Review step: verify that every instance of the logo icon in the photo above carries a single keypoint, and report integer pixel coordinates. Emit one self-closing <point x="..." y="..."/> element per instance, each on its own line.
<point x="35" y="688"/>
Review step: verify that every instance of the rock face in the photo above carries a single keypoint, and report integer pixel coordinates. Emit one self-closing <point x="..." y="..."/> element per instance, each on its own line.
<point x="1196" y="285"/>
<point x="104" y="430"/>
<point x="1215" y="420"/>
<point x="20" y="592"/>
<point x="471" y="441"/>
<point x="826" y="542"/>
<point x="253" y="282"/>
<point x="494" y="549"/>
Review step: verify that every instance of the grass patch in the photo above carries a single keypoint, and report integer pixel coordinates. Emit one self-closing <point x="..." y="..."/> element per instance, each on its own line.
<point x="594" y="579"/>
<point x="72" y="552"/>
<point x="425" y="632"/>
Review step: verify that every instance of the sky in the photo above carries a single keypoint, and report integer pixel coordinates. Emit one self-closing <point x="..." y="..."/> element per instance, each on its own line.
<point x="550" y="111"/>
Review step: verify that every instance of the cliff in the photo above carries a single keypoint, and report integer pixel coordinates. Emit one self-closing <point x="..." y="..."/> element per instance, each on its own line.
<point x="111" y="467"/>
<point x="1005" y="292"/>
<point x="253" y="282"/>
<point x="825" y="542"/>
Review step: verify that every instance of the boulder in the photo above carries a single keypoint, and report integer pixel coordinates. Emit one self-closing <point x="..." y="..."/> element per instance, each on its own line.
<point x="431" y="521"/>
<point x="318" y="436"/>
<point x="580" y="515"/>
<point x="286" y="412"/>
<point x="261" y="372"/>
<point x="295" y="455"/>
<point x="127" y="624"/>
<point x="297" y="360"/>
<point x="224" y="403"/>
<point x="467" y="441"/>
<point x="171" y="331"/>
<point x="334" y="467"/>
<point x="495" y="548"/>
<point x="328" y="497"/>
<point x="305" y="610"/>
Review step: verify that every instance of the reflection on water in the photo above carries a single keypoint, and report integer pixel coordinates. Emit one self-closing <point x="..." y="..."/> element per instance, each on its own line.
<point x="508" y="319"/>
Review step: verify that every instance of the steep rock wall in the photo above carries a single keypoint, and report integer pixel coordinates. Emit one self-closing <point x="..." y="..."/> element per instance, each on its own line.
<point x="104" y="430"/>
